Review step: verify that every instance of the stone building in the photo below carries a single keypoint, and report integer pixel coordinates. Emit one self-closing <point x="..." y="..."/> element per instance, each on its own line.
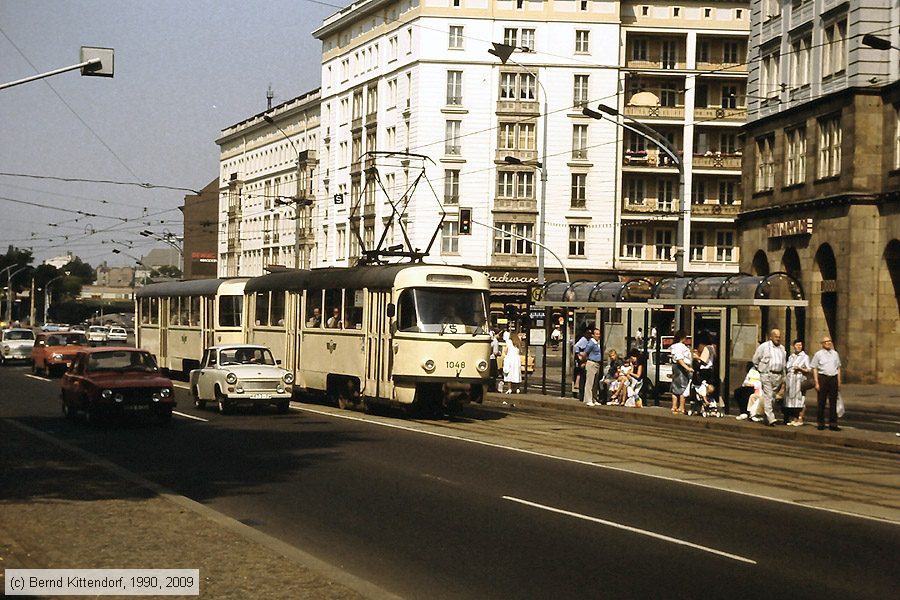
<point x="823" y="188"/>
<point x="201" y="228"/>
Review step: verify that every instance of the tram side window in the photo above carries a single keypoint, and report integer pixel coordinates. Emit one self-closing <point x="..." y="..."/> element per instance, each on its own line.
<point x="154" y="311"/>
<point x="147" y="311"/>
<point x="314" y="309"/>
<point x="195" y="311"/>
<point x="276" y="310"/>
<point x="174" y="311"/>
<point x="406" y="311"/>
<point x="262" y="308"/>
<point x="230" y="308"/>
<point x="353" y="309"/>
<point x="333" y="309"/>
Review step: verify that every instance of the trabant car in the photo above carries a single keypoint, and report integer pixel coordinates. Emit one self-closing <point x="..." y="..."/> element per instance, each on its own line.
<point x="54" y="352"/>
<point x="117" y="334"/>
<point x="116" y="381"/>
<point x="97" y="333"/>
<point x="240" y="374"/>
<point x="15" y="344"/>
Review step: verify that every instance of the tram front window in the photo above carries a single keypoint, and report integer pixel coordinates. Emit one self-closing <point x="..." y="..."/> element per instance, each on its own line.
<point x="440" y="310"/>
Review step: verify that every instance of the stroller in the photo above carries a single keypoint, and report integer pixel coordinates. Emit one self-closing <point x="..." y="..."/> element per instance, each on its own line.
<point x="702" y="401"/>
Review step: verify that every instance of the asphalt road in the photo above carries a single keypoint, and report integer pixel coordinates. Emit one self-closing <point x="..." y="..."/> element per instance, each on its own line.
<point x="412" y="508"/>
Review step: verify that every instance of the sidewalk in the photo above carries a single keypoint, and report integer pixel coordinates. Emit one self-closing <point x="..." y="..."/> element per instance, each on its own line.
<point x="61" y="508"/>
<point x="881" y="399"/>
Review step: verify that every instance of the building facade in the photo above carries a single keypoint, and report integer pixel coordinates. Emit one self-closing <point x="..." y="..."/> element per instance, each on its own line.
<point x="201" y="224"/>
<point x="823" y="188"/>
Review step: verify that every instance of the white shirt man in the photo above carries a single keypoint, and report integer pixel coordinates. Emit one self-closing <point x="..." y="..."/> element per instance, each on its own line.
<point x="770" y="359"/>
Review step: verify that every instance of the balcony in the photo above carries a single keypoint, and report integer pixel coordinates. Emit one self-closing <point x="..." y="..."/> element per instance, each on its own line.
<point x="518" y="107"/>
<point x="651" y="205"/>
<point x="654" y="61"/>
<point x="715" y="113"/>
<point x="725" y="67"/>
<point x="356" y="124"/>
<point x="523" y="155"/>
<point x="647" y="158"/>
<point x="717" y="161"/>
<point x="519" y="205"/>
<point x="371" y="119"/>
<point x="715" y="209"/>
<point x="655" y="112"/>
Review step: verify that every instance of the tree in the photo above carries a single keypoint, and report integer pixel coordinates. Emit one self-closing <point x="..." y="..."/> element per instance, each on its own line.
<point x="170" y="271"/>
<point x="80" y="270"/>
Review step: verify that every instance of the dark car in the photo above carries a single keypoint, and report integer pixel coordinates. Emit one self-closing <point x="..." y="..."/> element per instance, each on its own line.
<point x="114" y="381"/>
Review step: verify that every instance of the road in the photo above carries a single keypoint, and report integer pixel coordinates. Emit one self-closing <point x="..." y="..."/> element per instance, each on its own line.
<point x="532" y="504"/>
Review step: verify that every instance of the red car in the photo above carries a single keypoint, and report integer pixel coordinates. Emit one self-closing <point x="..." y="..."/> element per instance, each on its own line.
<point x="54" y="352"/>
<point x="115" y="381"/>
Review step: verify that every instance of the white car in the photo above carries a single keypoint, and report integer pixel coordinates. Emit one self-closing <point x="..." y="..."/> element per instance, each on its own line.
<point x="97" y="333"/>
<point x="16" y="344"/>
<point x="117" y="334"/>
<point x="241" y="374"/>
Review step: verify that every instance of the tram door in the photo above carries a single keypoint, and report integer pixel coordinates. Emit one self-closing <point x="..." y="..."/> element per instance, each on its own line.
<point x="378" y="345"/>
<point x="208" y="324"/>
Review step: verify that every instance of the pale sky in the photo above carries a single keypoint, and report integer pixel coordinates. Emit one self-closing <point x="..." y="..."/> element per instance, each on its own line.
<point x="184" y="70"/>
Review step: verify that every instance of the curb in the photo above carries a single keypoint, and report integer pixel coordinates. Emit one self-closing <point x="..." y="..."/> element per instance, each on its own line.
<point x="865" y="440"/>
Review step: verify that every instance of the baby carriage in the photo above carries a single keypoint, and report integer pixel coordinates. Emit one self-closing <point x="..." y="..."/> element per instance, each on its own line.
<point x="702" y="400"/>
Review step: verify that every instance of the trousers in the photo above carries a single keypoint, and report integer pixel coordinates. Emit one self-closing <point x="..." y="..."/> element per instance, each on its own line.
<point x="828" y="390"/>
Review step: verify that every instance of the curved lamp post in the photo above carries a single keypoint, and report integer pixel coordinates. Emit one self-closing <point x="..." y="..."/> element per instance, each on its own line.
<point x="47" y="294"/>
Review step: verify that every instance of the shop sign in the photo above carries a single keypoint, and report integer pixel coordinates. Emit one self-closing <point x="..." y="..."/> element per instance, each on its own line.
<point x="507" y="279"/>
<point x="204" y="257"/>
<point x="792" y="227"/>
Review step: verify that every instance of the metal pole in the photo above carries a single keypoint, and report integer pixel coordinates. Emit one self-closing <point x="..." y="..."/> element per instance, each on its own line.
<point x="522" y="237"/>
<point x="297" y="209"/>
<point x="543" y="220"/>
<point x="94" y="63"/>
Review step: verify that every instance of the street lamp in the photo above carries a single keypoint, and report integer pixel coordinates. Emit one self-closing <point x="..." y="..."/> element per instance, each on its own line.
<point x="682" y="260"/>
<point x="168" y="238"/>
<point x="9" y="292"/>
<point x="47" y="294"/>
<point x="297" y="200"/>
<point x="873" y="41"/>
<point x="97" y="62"/>
<point x="503" y="52"/>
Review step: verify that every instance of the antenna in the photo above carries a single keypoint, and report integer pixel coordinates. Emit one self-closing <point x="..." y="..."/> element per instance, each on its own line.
<point x="269" y="95"/>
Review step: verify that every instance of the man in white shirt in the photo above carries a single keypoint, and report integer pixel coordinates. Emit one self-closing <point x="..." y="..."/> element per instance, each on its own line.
<point x="770" y="359"/>
<point x="826" y="368"/>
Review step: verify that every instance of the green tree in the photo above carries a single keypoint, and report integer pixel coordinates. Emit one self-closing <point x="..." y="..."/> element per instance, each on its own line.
<point x="170" y="271"/>
<point x="80" y="270"/>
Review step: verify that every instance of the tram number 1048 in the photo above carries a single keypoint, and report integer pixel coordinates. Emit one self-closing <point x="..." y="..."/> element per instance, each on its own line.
<point x="459" y="365"/>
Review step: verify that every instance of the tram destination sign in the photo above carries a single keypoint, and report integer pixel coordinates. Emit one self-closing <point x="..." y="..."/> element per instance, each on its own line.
<point x="792" y="227"/>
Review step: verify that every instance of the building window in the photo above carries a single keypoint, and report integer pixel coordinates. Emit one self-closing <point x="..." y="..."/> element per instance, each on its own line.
<point x="829" y="146"/>
<point x="724" y="246"/>
<point x="771" y="9"/>
<point x="769" y="82"/>
<point x="795" y="156"/>
<point x="516" y="185"/>
<point x="450" y="237"/>
<point x="527" y="39"/>
<point x="583" y="5"/>
<point x="731" y="52"/>
<point x="800" y="61"/>
<point x="392" y="93"/>
<point x="669" y="54"/>
<point x="579" y="190"/>
<point x="668" y="94"/>
<point x="639" y="49"/>
<point x="765" y="163"/>
<point x="579" y="142"/>
<point x="511" y="36"/>
<point x="665" y="195"/>
<point x="698" y="245"/>
<point x="451" y="186"/>
<point x="634" y="191"/>
<point x="582" y="41"/>
<point x="834" y="48"/>
<point x="454" y="88"/>
<point x="451" y="139"/>
<point x="729" y="96"/>
<point x="727" y="192"/>
<point x="517" y="86"/>
<point x="456" y="37"/>
<point x="702" y="51"/>
<point x="580" y="96"/>
<point x="698" y="192"/>
<point x="664" y="244"/>
<point x="506" y="184"/>
<point x="516" y="136"/>
<point x="525" y="184"/>
<point x="514" y="239"/>
<point x="577" y="240"/>
<point x="634" y="242"/>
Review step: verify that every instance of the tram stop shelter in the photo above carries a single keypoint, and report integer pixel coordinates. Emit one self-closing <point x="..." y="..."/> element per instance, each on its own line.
<point x="617" y="307"/>
<point x="738" y="310"/>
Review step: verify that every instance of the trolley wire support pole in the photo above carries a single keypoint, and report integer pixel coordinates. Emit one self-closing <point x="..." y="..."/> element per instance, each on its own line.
<point x="97" y="62"/>
<point x="299" y="203"/>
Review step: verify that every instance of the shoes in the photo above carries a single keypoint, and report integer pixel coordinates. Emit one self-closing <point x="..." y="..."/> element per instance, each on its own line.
<point x="743" y="417"/>
<point x="518" y="391"/>
<point x="772" y="423"/>
<point x="821" y="428"/>
<point x="834" y="428"/>
<point x="756" y="419"/>
<point x="508" y="392"/>
<point x="590" y="404"/>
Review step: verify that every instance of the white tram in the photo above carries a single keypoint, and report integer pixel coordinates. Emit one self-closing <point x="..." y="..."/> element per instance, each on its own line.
<point x="400" y="334"/>
<point x="177" y="320"/>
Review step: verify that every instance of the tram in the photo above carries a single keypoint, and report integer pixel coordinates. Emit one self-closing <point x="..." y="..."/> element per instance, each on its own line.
<point x="408" y="335"/>
<point x="178" y="320"/>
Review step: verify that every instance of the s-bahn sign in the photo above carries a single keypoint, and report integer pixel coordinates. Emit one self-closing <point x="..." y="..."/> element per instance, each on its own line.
<point x="792" y="227"/>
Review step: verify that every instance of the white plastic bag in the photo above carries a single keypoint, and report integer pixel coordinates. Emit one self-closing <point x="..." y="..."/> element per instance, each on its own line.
<point x="840" y="406"/>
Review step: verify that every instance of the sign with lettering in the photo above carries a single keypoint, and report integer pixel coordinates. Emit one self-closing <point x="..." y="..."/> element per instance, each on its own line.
<point x="792" y="227"/>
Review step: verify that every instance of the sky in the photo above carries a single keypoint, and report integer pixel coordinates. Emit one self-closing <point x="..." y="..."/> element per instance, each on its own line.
<point x="184" y="71"/>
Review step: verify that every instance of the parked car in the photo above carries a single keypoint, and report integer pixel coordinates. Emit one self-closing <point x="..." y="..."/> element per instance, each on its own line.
<point x="117" y="334"/>
<point x="50" y="327"/>
<point x="15" y="344"/>
<point x="78" y="328"/>
<point x="97" y="333"/>
<point x="116" y="381"/>
<point x="54" y="352"/>
<point x="241" y="374"/>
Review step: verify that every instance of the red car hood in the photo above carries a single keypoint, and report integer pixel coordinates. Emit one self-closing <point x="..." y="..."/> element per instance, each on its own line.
<point x="128" y="379"/>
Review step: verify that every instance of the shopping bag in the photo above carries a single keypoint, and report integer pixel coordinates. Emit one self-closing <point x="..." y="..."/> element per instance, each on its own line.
<point x="840" y="406"/>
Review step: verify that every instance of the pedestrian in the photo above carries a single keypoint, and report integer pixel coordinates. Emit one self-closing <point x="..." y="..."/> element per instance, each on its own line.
<point x="639" y="339"/>
<point x="512" y="364"/>
<point x="682" y="370"/>
<point x="555" y="337"/>
<point x="609" y="384"/>
<point x="594" y="361"/>
<point x="770" y="359"/>
<point x="636" y="378"/>
<point x="826" y="368"/>
<point x="798" y="373"/>
<point x="578" y="374"/>
<point x="495" y="356"/>
<point x="749" y="392"/>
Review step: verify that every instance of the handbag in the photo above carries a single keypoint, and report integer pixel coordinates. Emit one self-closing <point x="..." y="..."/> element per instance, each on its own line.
<point x="807" y="384"/>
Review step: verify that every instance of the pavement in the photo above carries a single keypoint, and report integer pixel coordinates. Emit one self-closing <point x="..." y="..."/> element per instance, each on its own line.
<point x="61" y="507"/>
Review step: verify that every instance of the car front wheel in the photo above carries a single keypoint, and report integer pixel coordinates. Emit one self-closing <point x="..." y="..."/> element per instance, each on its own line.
<point x="198" y="403"/>
<point x="222" y="401"/>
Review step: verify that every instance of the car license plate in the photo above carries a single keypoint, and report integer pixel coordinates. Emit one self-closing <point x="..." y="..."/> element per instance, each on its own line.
<point x="136" y="407"/>
<point x="260" y="397"/>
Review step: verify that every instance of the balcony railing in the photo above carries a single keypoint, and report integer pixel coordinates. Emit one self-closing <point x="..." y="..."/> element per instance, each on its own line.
<point x="519" y="107"/>
<point x="655" y="112"/>
<point x="716" y="209"/>
<point x="728" y="67"/>
<point x="523" y="155"/>
<point x="718" y="161"/>
<point x="651" y="205"/>
<point x="654" y="61"/>
<point x="712" y="113"/>
<point x="647" y="158"/>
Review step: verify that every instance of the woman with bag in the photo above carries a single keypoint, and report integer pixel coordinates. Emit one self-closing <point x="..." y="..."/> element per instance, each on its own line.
<point x="512" y="364"/>
<point x="795" y="385"/>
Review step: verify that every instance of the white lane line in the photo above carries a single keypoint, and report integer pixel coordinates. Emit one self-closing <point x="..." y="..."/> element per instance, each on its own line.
<point x="652" y="534"/>
<point x="183" y="386"/>
<point x="39" y="378"/>
<point x="187" y="416"/>
<point x="588" y="463"/>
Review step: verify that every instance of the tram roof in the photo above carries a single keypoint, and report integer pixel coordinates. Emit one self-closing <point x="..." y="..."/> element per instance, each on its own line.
<point x="365" y="276"/>
<point x="194" y="287"/>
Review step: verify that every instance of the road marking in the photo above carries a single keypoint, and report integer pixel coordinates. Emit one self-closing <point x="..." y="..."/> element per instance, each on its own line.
<point x="39" y="378"/>
<point x="652" y="534"/>
<point x="596" y="465"/>
<point x="886" y="421"/>
<point x="187" y="416"/>
<point x="183" y="386"/>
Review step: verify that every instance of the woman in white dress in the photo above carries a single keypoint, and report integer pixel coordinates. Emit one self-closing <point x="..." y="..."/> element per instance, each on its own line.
<point x="512" y="364"/>
<point x="794" y="394"/>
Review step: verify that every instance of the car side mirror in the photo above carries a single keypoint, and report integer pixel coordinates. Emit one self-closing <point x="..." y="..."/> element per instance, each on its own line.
<point x="391" y="310"/>
<point x="278" y="361"/>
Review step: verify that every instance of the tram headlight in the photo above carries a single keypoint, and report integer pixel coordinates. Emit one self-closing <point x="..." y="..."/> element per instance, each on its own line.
<point x="288" y="378"/>
<point x="482" y="366"/>
<point x="106" y="394"/>
<point x="428" y="365"/>
<point x="119" y="397"/>
<point x="231" y="378"/>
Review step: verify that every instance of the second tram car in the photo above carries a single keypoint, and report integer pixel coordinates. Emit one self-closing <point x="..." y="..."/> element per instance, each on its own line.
<point x="401" y="334"/>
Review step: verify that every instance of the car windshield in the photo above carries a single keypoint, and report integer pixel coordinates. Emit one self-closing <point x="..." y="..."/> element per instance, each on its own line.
<point x="246" y="356"/>
<point x="441" y="310"/>
<point x="98" y="328"/>
<point x="67" y="339"/>
<point x="120" y="360"/>
<point x="19" y="334"/>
